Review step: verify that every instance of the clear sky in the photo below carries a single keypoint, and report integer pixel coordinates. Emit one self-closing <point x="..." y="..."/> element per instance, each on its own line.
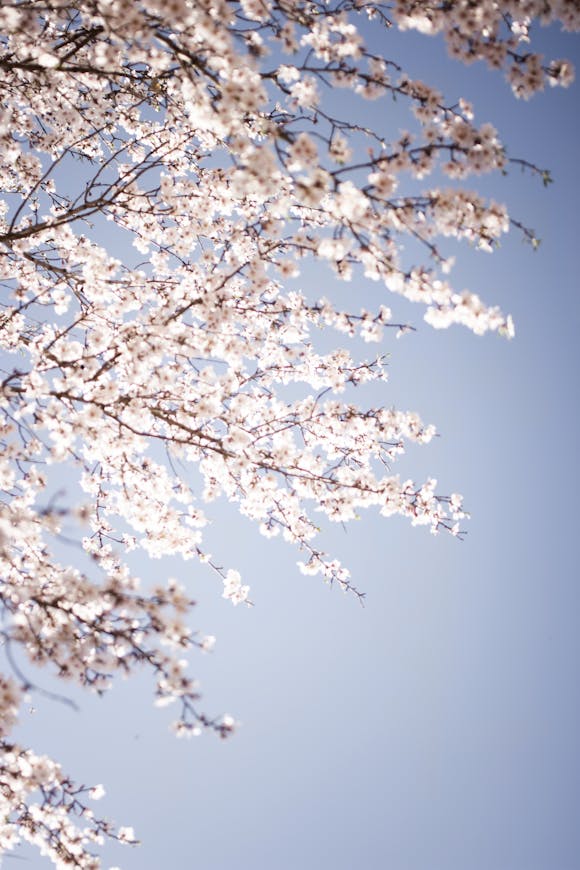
<point x="437" y="727"/>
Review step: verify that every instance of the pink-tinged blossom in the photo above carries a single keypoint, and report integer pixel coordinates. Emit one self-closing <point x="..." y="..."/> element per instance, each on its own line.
<point x="225" y="175"/>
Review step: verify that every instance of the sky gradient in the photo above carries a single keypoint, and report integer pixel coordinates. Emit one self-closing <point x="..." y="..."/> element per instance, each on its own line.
<point x="437" y="727"/>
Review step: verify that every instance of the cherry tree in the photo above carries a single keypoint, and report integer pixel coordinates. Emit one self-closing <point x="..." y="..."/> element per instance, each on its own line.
<point x="171" y="170"/>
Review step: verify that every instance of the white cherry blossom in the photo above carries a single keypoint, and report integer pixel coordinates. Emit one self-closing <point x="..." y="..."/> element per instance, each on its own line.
<point x="196" y="137"/>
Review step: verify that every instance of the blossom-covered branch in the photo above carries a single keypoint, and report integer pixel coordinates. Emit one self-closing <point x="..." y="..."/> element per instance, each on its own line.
<point x="195" y="137"/>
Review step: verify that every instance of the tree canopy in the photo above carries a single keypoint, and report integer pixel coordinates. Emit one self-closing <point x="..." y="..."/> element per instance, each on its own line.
<point x="172" y="174"/>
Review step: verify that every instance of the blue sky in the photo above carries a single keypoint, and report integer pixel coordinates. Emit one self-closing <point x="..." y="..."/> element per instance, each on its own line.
<point x="437" y="727"/>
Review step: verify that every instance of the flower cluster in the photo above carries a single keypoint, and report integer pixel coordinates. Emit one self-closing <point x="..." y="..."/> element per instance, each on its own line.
<point x="40" y="805"/>
<point x="497" y="33"/>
